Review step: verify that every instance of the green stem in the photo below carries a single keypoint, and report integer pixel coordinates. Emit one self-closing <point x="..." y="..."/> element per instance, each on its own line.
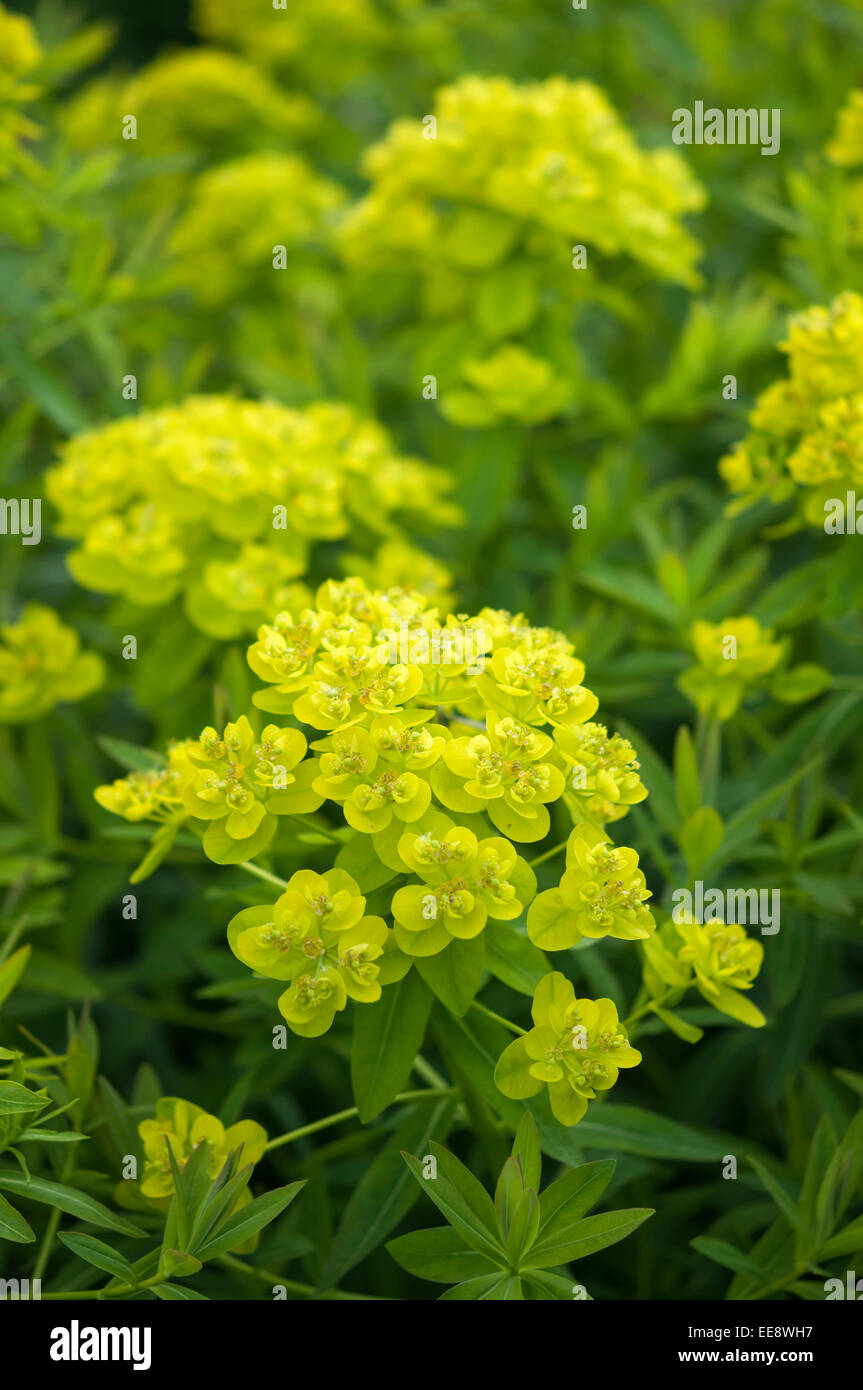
<point x="646" y="1008"/>
<point x="251" y="868"/>
<point x="119" y="1292"/>
<point x="428" y="1073"/>
<point x="291" y="1285"/>
<point x="541" y="858"/>
<point x="349" y="1114"/>
<point x="513" y="1027"/>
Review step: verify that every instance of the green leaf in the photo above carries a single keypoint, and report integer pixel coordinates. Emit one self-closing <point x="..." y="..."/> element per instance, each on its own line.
<point x="11" y="971"/>
<point x="782" y="1199"/>
<point x="514" y="960"/>
<point x="13" y="1226"/>
<point x="74" y="1203"/>
<point x="462" y="1199"/>
<point x="51" y="1136"/>
<point x="385" y="1193"/>
<point x="454" y="975"/>
<point x="701" y="837"/>
<point x="526" y="1149"/>
<point x="130" y="756"/>
<point x="571" y="1196"/>
<point x="577" y="1239"/>
<point x="687" y="1031"/>
<point x="17" y="1100"/>
<point x="440" y="1256"/>
<point x="387" y="1037"/>
<point x="490" y="1286"/>
<point x="724" y="1254"/>
<point x="250" y="1219"/>
<point x="97" y="1253"/>
<point x="686" y="780"/>
<point x="177" y="1293"/>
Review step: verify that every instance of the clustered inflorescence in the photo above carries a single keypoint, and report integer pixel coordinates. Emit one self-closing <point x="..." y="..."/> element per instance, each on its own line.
<point x="482" y="218"/>
<point x="221" y="500"/>
<point x="806" y="435"/>
<point x="444" y="740"/>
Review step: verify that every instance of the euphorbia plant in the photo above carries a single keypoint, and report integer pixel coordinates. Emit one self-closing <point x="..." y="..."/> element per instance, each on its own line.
<point x="422" y="780"/>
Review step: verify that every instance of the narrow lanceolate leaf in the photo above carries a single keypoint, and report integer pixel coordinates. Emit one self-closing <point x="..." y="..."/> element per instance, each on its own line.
<point x="177" y="1293"/>
<point x="782" y="1198"/>
<point x="845" y="1242"/>
<point x="13" y="1226"/>
<point x="440" y="1256"/>
<point x="97" y="1253"/>
<point x="582" y="1238"/>
<point x="17" y="1100"/>
<point x="386" y="1192"/>
<point x="454" y="974"/>
<point x="462" y="1199"/>
<point x="387" y="1037"/>
<point x="248" y="1221"/>
<point x="573" y="1195"/>
<point x="724" y="1254"/>
<point x="488" y="1286"/>
<point x="68" y="1199"/>
<point x="11" y="971"/>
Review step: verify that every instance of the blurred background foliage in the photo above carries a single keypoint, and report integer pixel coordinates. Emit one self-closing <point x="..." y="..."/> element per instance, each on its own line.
<point x="112" y="261"/>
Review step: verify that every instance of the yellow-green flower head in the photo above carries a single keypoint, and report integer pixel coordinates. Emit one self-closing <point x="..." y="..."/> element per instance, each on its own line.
<point x="717" y="958"/>
<point x="41" y="663"/>
<point x="538" y="685"/>
<point x="505" y="772"/>
<point x="316" y="936"/>
<point x="478" y="216"/>
<point x="601" y="771"/>
<point x="576" y="1048"/>
<point x="464" y="882"/>
<point x="509" y="384"/>
<point x="845" y="147"/>
<point x="602" y="893"/>
<point x="399" y="566"/>
<point x="733" y="656"/>
<point x="219" y="500"/>
<point x="20" y="49"/>
<point x="181" y="1126"/>
<point x="541" y="164"/>
<point x="207" y="102"/>
<point x="236" y="215"/>
<point x="806" y="432"/>
<point x="20" y="52"/>
<point x="156" y="794"/>
<point x="245" y="781"/>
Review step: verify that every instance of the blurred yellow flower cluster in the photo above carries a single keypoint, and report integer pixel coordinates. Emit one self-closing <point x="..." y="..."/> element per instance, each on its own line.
<point x="807" y="429"/>
<point x="221" y="500"/>
<point x="19" y="54"/>
<point x="480" y="204"/>
<point x="41" y="663"/>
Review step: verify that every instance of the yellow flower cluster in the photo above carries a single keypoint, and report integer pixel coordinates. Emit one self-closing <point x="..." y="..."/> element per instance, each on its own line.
<point x="198" y="100"/>
<point x="845" y="147"/>
<point x="41" y="663"/>
<point x="482" y="202"/>
<point x="238" y="213"/>
<point x="807" y="430"/>
<point x="19" y="54"/>
<point x="220" y="500"/>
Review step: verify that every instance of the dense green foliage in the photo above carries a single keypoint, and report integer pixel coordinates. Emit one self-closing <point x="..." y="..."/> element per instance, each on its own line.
<point x="293" y="366"/>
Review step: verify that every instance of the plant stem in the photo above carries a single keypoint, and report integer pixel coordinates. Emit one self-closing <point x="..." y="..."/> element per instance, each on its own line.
<point x="291" y="1285"/>
<point x="119" y="1292"/>
<point x="541" y="858"/>
<point x="251" y="868"/>
<point x="430" y="1094"/>
<point x="646" y="1008"/>
<point x="513" y="1027"/>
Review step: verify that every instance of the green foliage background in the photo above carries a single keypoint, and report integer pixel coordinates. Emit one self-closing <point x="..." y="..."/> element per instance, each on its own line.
<point x="658" y="553"/>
